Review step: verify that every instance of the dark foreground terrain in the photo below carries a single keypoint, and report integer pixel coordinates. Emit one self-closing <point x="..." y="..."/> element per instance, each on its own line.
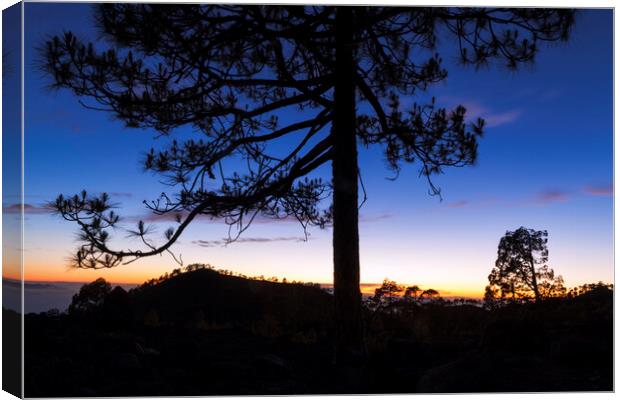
<point x="204" y="333"/>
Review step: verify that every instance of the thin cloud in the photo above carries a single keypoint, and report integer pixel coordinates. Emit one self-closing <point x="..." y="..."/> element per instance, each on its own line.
<point x="458" y="204"/>
<point x="607" y="190"/>
<point x="540" y="198"/>
<point x="260" y="219"/>
<point x="551" y="94"/>
<point x="492" y="118"/>
<point x="373" y="218"/>
<point x="551" y="196"/>
<point x="479" y="203"/>
<point x="543" y="197"/>
<point x="121" y="194"/>
<point x="173" y="216"/>
<point x="224" y="242"/>
<point x="498" y="119"/>
<point x="169" y="217"/>
<point x="16" y="208"/>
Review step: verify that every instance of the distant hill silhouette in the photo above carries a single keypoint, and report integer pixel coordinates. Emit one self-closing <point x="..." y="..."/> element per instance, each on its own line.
<point x="210" y="299"/>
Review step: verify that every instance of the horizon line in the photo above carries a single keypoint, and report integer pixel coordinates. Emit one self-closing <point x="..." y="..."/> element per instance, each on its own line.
<point x="324" y="285"/>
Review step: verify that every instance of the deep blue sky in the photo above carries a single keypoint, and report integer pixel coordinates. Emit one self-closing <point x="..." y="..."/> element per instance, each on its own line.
<point x="545" y="162"/>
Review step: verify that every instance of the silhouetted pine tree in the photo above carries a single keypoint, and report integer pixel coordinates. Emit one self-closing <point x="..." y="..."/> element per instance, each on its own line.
<point x="521" y="267"/>
<point x="233" y="71"/>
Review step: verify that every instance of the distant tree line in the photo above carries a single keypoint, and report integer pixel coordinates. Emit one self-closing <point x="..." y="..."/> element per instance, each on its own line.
<point x="388" y="297"/>
<point x="520" y="275"/>
<point x="390" y="290"/>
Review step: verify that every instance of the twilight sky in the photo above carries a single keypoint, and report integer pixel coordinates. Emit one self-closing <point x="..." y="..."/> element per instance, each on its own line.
<point x="545" y="162"/>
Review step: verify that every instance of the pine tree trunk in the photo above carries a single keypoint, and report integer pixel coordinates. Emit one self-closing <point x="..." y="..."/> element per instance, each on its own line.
<point x="349" y="342"/>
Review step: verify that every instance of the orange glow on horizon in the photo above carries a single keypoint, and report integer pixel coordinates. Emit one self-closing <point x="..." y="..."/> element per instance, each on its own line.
<point x="11" y="276"/>
<point x="136" y="277"/>
<point x="466" y="292"/>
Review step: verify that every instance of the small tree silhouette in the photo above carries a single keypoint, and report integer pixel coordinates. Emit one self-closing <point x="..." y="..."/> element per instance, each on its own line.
<point x="232" y="71"/>
<point x="521" y="268"/>
<point x="90" y="297"/>
<point x="429" y="294"/>
<point x="411" y="292"/>
<point x="388" y="290"/>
